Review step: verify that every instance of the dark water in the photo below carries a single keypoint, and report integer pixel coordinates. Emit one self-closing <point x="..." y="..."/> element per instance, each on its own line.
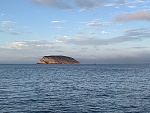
<point x="75" y="88"/>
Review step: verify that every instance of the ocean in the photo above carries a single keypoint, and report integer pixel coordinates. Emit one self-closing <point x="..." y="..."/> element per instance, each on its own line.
<point x="105" y="88"/>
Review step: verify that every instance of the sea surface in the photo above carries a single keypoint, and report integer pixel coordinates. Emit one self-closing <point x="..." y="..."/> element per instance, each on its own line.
<point x="75" y="88"/>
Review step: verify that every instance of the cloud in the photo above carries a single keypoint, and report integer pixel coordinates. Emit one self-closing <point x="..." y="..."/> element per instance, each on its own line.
<point x="31" y="51"/>
<point x="11" y="28"/>
<point x="139" y="47"/>
<point x="56" y="3"/>
<point x="97" y="22"/>
<point x="112" y="55"/>
<point x="6" y="27"/>
<point x="2" y="14"/>
<point x="139" y="33"/>
<point x="57" y="24"/>
<point x="120" y="58"/>
<point x="138" y="15"/>
<point x="57" y="21"/>
<point x="80" y="4"/>
<point x="88" y="3"/>
<point x="1" y="30"/>
<point x="120" y="1"/>
<point x="80" y="33"/>
<point x="139" y="1"/>
<point x="15" y="33"/>
<point x="105" y="32"/>
<point x="65" y="5"/>
<point x="132" y="6"/>
<point x="7" y="24"/>
<point x="27" y="44"/>
<point x="129" y="35"/>
<point x="30" y="48"/>
<point x="24" y="51"/>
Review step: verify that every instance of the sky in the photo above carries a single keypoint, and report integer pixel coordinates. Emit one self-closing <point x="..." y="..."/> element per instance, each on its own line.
<point x="91" y="31"/>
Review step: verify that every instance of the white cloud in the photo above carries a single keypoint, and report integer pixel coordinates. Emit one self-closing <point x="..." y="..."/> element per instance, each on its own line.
<point x="105" y="32"/>
<point x="14" y="45"/>
<point x="26" y="51"/>
<point x="27" y="44"/>
<point x="11" y="28"/>
<point x="21" y="51"/>
<point x="139" y="1"/>
<point x="57" y="24"/>
<point x="97" y="22"/>
<point x="57" y="21"/>
<point x="108" y="5"/>
<point x="7" y="24"/>
<point x="132" y="6"/>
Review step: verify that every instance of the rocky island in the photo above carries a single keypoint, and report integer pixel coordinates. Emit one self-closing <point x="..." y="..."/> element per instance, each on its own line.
<point x="57" y="60"/>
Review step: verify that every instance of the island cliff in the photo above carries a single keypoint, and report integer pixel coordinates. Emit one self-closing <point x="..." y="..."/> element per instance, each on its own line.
<point x="57" y="60"/>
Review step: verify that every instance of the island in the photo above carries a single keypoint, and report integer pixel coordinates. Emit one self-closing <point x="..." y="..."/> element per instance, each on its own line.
<point x="57" y="60"/>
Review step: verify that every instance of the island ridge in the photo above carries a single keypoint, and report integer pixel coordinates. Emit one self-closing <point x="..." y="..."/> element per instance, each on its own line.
<point x="57" y="60"/>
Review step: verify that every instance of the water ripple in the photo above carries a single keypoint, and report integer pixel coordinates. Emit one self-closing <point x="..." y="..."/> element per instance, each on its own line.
<point x="74" y="88"/>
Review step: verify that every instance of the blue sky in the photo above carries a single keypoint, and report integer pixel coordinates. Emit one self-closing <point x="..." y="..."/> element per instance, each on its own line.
<point x="91" y="31"/>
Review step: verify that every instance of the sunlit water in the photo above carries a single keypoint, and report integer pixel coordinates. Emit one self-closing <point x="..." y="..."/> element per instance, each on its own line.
<point x="75" y="88"/>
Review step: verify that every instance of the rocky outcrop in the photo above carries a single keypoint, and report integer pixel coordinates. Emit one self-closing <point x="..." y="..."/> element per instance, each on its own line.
<point x="57" y="60"/>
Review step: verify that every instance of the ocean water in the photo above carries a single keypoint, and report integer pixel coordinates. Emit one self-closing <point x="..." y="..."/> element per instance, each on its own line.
<point x="75" y="88"/>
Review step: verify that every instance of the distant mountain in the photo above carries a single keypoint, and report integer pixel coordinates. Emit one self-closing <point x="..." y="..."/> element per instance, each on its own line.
<point x="57" y="60"/>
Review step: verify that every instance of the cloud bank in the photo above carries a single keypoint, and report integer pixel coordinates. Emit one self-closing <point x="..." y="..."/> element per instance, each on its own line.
<point x="32" y="51"/>
<point x="138" y="15"/>
<point x="129" y="36"/>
